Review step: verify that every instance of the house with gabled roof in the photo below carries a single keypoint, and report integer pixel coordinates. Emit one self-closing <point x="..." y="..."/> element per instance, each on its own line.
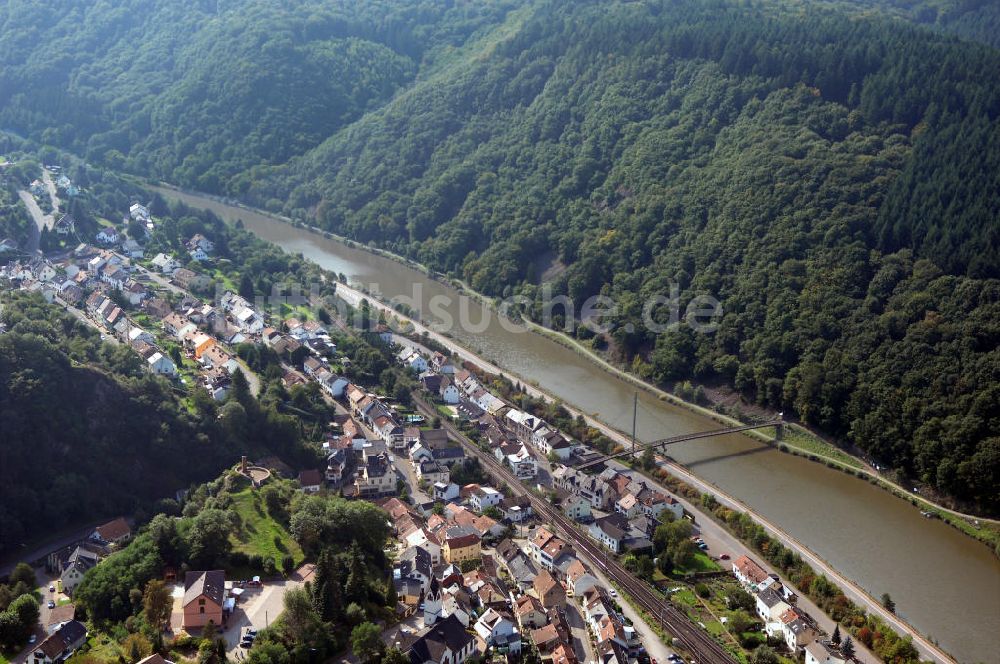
<point x="610" y="531"/>
<point x="530" y="612"/>
<point x="61" y="644"/>
<point x="58" y="615"/>
<point x="823" y="652"/>
<point x="749" y="573"/>
<point x="310" y="480"/>
<point x="794" y="627"/>
<point x="204" y="597"/>
<point x="115" y="531"/>
<point x="446" y="642"/>
<point x="79" y="563"/>
<point x="548" y="590"/>
<point x="498" y="630"/>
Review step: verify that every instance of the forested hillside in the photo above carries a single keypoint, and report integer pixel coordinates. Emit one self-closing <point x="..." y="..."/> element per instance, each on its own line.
<point x="78" y="413"/>
<point x="977" y="20"/>
<point x="198" y="92"/>
<point x="829" y="170"/>
<point x="832" y="179"/>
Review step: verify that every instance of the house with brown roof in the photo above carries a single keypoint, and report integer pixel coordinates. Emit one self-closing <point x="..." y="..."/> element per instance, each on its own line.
<point x="546" y="638"/>
<point x="204" y="595"/>
<point x="310" y="480"/>
<point x="748" y="572"/>
<point x="115" y="531"/>
<point x="579" y="579"/>
<point x="530" y="612"/>
<point x="461" y="543"/>
<point x="794" y="627"/>
<point x="62" y="643"/>
<point x="59" y="615"/>
<point x="563" y="654"/>
<point x="549" y="591"/>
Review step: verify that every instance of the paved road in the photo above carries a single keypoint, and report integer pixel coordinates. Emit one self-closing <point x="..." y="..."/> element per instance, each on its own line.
<point x="41" y="551"/>
<point x="927" y="649"/>
<point x="581" y="637"/>
<point x="41" y="219"/>
<point x="405" y="472"/>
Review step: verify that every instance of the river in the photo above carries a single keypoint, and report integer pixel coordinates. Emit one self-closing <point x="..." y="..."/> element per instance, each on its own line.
<point x="944" y="583"/>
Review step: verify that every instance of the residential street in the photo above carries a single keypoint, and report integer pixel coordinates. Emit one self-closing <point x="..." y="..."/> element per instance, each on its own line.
<point x="578" y="628"/>
<point x="405" y="472"/>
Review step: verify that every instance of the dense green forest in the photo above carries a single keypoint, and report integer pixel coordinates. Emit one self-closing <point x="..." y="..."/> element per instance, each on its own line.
<point x="198" y="92"/>
<point x="829" y="170"/>
<point x="833" y="181"/>
<point x="77" y="412"/>
<point x="977" y="20"/>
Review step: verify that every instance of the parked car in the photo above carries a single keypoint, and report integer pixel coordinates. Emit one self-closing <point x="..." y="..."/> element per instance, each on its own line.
<point x="51" y="604"/>
<point x="52" y="589"/>
<point x="613" y="592"/>
<point x="32" y="639"/>
<point x="724" y="556"/>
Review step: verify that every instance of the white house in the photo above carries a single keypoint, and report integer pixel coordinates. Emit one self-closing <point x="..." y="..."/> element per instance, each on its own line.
<point x="823" y="652"/>
<point x="139" y="212"/>
<point x="484" y="497"/>
<point x="43" y="271"/>
<point x="108" y="235"/>
<point x="446" y="642"/>
<point x="137" y="334"/>
<point x="132" y="249"/>
<point x="524" y="465"/>
<point x="450" y="394"/>
<point x="249" y="320"/>
<point x="198" y="254"/>
<point x="165" y="264"/>
<point x="498" y="631"/>
<point x="415" y="362"/>
<point x="446" y="492"/>
<point x="576" y="508"/>
<point x="160" y="364"/>
<point x="199" y="241"/>
<point x="608" y="533"/>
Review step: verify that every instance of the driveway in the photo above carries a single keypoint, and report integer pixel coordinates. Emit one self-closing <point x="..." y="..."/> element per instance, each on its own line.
<point x="261" y="608"/>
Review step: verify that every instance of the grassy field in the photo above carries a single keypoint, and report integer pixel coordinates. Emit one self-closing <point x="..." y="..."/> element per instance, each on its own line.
<point x="261" y="534"/>
<point x="701" y="562"/>
<point x="810" y="444"/>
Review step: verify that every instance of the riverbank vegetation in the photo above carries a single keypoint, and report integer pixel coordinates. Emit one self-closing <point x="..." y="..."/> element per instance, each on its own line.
<point x="869" y="629"/>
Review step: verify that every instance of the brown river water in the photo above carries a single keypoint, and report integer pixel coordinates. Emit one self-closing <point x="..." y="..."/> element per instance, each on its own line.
<point x="944" y="583"/>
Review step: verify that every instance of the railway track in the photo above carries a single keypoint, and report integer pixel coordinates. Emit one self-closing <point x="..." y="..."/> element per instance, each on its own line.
<point x="699" y="643"/>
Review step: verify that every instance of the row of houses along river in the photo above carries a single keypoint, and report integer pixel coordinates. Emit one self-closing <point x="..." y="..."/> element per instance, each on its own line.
<point x="944" y="583"/>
